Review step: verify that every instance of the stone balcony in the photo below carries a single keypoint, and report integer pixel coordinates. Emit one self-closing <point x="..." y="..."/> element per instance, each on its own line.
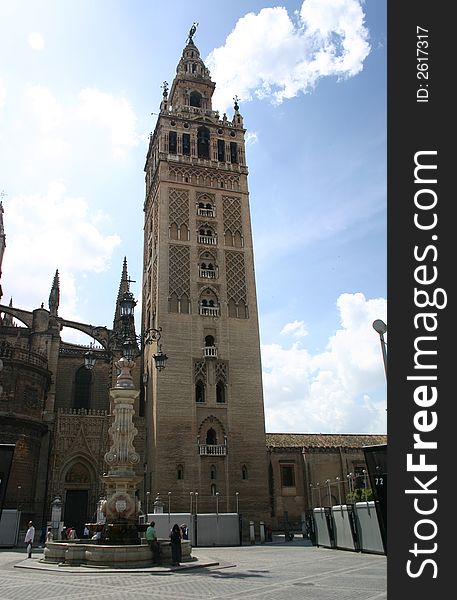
<point x="209" y="311"/>
<point x="210" y="352"/>
<point x="212" y="449"/>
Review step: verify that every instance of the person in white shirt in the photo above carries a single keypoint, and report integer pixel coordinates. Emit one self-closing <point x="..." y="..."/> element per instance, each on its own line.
<point x="29" y="538"/>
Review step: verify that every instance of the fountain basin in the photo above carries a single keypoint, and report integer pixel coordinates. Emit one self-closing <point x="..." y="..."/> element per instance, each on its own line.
<point x="109" y="555"/>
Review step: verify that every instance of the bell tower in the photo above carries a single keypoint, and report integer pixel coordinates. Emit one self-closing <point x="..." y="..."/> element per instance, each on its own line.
<point x="205" y="412"/>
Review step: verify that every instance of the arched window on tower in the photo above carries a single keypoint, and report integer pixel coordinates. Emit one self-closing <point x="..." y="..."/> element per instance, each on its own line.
<point x="244" y="472"/>
<point x="199" y="391"/>
<point x="211" y="438"/>
<point x="220" y="392"/>
<point x="172" y="142"/>
<point x="83" y="380"/>
<point x="196" y="99"/>
<point x="213" y="472"/>
<point x="186" y="144"/>
<point x="221" y="150"/>
<point x="179" y="472"/>
<point x="203" y="142"/>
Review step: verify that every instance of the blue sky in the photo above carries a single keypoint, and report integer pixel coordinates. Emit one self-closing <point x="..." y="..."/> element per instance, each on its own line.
<point x="78" y="83"/>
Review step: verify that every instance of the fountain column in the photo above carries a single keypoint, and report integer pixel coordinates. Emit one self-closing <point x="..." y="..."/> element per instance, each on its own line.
<point x="121" y="481"/>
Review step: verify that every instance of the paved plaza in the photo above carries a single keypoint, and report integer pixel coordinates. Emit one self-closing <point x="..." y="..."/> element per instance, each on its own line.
<point x="290" y="571"/>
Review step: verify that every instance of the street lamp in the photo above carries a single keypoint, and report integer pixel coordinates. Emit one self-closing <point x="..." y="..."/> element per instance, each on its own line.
<point x="169" y="503"/>
<point x="191" y="498"/>
<point x="319" y="490"/>
<point x="217" y="504"/>
<point x="126" y="341"/>
<point x="196" y="503"/>
<point x="381" y="328"/>
<point x="237" y="496"/>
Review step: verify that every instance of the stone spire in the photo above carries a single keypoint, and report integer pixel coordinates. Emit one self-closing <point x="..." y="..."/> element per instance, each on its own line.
<point x="54" y="296"/>
<point x="2" y="242"/>
<point x="124" y="287"/>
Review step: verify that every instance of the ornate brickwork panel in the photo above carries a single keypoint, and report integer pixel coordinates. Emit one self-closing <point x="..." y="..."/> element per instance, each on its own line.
<point x="200" y="370"/>
<point x="236" y="278"/>
<point x="206" y="177"/>
<point x="154" y="287"/>
<point x="232" y="213"/>
<point x="221" y="370"/>
<point x="179" y="270"/>
<point x="178" y="207"/>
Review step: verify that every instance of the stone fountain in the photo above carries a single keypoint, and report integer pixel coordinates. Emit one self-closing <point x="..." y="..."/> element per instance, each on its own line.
<point x="120" y="545"/>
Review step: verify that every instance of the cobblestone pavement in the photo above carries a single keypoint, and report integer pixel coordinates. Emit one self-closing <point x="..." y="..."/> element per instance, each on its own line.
<point x="290" y="571"/>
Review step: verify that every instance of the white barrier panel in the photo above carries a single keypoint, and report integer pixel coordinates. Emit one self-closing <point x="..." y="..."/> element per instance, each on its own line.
<point x="164" y="522"/>
<point x="9" y="527"/>
<point x="369" y="533"/>
<point x="343" y="532"/>
<point x="322" y="532"/>
<point x="218" y="530"/>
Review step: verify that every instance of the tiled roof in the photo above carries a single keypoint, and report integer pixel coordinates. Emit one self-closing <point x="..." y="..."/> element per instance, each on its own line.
<point x="323" y="440"/>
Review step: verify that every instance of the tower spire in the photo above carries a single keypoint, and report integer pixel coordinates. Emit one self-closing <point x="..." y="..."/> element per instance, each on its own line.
<point x="124" y="286"/>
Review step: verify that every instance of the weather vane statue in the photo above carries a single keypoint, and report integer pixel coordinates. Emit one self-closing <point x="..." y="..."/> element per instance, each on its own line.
<point x="192" y="31"/>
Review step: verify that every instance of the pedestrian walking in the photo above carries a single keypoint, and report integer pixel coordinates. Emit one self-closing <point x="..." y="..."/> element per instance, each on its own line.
<point x="175" y="538"/>
<point x="151" y="538"/>
<point x="29" y="539"/>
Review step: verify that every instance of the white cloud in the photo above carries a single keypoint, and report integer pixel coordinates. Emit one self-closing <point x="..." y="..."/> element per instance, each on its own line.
<point x="339" y="390"/>
<point x="36" y="41"/>
<point x="46" y="107"/>
<point x="59" y="232"/>
<point x="2" y="97"/>
<point x="267" y="55"/>
<point x="116" y="114"/>
<point x="251" y="138"/>
<point x="297" y="329"/>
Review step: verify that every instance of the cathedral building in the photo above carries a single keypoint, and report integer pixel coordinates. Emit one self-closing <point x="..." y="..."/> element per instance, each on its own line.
<point x="200" y="421"/>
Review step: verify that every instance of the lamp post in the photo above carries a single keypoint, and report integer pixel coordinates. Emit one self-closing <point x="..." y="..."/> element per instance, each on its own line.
<point x="237" y="496"/>
<point x="338" y="481"/>
<point x="147" y="503"/>
<point x="350" y="482"/>
<point x="312" y="499"/>
<point x="191" y="494"/>
<point x="196" y="503"/>
<point x="381" y="328"/>
<point x="217" y="504"/>
<point x="169" y="503"/>
<point x="319" y="490"/>
<point x="327" y="481"/>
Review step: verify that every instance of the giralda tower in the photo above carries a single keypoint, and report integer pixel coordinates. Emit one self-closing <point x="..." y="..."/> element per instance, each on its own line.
<point x="205" y="412"/>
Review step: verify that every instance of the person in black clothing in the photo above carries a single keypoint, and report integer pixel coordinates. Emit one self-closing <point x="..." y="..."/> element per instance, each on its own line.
<point x="175" y="539"/>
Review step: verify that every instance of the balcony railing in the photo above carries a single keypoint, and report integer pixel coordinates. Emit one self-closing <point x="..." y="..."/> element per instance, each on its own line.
<point x="205" y="212"/>
<point x="207" y="239"/>
<point x="210" y="352"/>
<point x="212" y="449"/>
<point x="208" y="273"/>
<point x="209" y="311"/>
